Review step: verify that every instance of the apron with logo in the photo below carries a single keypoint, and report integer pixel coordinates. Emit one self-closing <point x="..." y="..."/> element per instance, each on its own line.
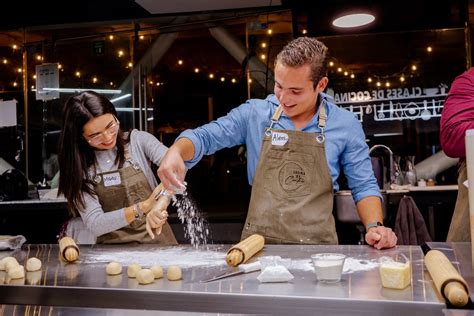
<point x="459" y="230"/>
<point x="292" y="193"/>
<point x="121" y="188"/>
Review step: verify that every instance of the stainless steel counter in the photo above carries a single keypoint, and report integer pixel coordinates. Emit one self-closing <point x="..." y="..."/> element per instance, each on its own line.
<point x="85" y="285"/>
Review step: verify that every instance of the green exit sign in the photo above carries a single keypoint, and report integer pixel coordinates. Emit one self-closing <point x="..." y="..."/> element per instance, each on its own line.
<point x="98" y="48"/>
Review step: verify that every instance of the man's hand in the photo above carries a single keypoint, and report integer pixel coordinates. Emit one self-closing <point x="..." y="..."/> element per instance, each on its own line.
<point x="172" y="169"/>
<point x="381" y="237"/>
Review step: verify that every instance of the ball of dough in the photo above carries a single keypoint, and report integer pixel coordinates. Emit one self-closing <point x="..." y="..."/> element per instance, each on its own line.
<point x="157" y="271"/>
<point x="10" y="264"/>
<point x="17" y="272"/>
<point x="133" y="269"/>
<point x="145" y="276"/>
<point x="113" y="268"/>
<point x="174" y="273"/>
<point x="33" y="264"/>
<point x="4" y="261"/>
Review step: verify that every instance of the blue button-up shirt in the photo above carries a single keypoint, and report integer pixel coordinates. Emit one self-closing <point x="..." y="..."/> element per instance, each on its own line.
<point x="246" y="124"/>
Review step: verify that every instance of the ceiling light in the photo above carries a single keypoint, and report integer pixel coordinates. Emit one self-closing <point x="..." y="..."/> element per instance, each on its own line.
<point x="353" y="20"/>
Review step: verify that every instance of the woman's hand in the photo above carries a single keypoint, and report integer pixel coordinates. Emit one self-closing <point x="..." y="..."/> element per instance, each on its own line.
<point x="157" y="216"/>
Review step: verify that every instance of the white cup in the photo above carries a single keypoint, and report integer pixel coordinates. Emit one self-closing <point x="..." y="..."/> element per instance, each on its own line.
<point x="328" y="266"/>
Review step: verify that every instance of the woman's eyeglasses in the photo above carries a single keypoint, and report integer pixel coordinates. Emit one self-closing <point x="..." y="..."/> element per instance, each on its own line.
<point x="97" y="138"/>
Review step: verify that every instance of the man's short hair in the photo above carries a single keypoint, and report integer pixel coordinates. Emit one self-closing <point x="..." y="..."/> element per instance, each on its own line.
<point x="305" y="51"/>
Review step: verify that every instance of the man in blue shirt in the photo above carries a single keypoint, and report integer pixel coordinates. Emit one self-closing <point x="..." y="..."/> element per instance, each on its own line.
<point x="297" y="141"/>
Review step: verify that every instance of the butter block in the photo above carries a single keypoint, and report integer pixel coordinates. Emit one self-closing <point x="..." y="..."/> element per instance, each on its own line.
<point x="395" y="275"/>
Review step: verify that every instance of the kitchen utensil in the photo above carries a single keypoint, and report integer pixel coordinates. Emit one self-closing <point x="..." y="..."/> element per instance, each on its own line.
<point x="68" y="249"/>
<point x="243" y="268"/>
<point x="450" y="284"/>
<point x="244" y="250"/>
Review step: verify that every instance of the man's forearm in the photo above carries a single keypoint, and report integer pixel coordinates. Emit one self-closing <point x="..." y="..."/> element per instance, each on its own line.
<point x="370" y="210"/>
<point x="185" y="148"/>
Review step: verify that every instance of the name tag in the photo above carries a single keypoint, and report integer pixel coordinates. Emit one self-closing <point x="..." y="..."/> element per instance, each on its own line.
<point x="112" y="179"/>
<point x="279" y="139"/>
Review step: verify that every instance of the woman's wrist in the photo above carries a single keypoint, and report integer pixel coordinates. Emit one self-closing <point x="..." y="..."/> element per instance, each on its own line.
<point x="145" y="206"/>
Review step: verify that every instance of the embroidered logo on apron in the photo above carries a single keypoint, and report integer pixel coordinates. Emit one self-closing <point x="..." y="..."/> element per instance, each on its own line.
<point x="292" y="176"/>
<point x="279" y="139"/>
<point x="112" y="179"/>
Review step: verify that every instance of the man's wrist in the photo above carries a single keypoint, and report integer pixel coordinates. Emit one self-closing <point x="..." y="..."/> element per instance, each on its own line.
<point x="373" y="224"/>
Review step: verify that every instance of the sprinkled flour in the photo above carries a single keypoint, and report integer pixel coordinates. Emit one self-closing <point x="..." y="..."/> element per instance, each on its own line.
<point x="350" y="265"/>
<point x="183" y="257"/>
<point x="195" y="226"/>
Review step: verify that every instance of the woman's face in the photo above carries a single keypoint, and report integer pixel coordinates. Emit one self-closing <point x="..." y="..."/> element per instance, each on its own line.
<point x="101" y="131"/>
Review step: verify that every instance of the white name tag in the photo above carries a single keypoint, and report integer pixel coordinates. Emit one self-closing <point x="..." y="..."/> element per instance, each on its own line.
<point x="112" y="179"/>
<point x="279" y="139"/>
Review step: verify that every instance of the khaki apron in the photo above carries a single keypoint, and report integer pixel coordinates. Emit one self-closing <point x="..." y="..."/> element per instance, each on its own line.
<point x="459" y="230"/>
<point x="292" y="193"/>
<point x="132" y="188"/>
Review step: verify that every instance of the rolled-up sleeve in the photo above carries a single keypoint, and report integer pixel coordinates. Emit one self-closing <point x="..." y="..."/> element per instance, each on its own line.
<point x="225" y="132"/>
<point x="355" y="161"/>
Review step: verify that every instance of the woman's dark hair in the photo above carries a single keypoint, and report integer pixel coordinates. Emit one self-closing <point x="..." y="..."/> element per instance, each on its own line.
<point x="75" y="154"/>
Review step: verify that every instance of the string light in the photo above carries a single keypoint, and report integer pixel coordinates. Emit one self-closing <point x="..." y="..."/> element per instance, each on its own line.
<point x="234" y="81"/>
<point x="331" y="64"/>
<point x="402" y="79"/>
<point x="180" y="62"/>
<point x="263" y="56"/>
<point x="270" y="31"/>
<point x="304" y="31"/>
<point x="263" y="45"/>
<point x="211" y="76"/>
<point x="222" y="79"/>
<point x="142" y="37"/>
<point x="120" y="53"/>
<point x="369" y="80"/>
<point x="414" y="68"/>
<point x="94" y="79"/>
<point x="111" y="37"/>
<point x="196" y="70"/>
<point x="78" y="74"/>
<point x="429" y="49"/>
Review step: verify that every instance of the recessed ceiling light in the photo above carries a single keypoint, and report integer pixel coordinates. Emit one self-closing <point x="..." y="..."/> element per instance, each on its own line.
<point x="353" y="20"/>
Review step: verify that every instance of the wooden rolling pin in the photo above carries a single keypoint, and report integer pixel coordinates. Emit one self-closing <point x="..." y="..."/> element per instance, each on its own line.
<point x="244" y="250"/>
<point x="447" y="279"/>
<point x="68" y="249"/>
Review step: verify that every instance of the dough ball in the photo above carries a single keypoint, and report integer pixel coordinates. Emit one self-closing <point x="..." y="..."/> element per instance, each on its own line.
<point x="10" y="264"/>
<point x="113" y="268"/>
<point x="133" y="269"/>
<point x="157" y="271"/>
<point x="33" y="264"/>
<point x="174" y="273"/>
<point x="145" y="276"/>
<point x="3" y="262"/>
<point x="16" y="272"/>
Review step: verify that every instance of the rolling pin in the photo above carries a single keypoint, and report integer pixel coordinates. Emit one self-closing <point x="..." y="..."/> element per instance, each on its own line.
<point x="244" y="250"/>
<point x="447" y="279"/>
<point x="68" y="249"/>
